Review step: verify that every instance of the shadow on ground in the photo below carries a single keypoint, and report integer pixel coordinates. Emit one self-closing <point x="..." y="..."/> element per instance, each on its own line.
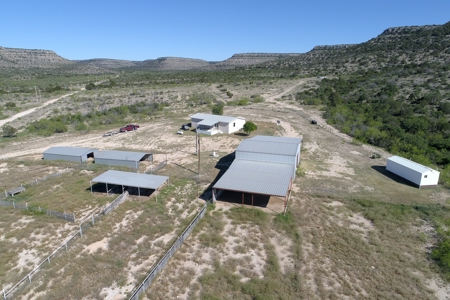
<point x="392" y="176"/>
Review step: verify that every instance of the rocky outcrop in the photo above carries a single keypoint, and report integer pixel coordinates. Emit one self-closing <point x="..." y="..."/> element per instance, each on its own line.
<point x="27" y="59"/>
<point x="173" y="64"/>
<point x="247" y="59"/>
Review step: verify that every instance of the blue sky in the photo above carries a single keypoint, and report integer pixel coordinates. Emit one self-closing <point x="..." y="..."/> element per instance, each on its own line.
<point x="209" y="30"/>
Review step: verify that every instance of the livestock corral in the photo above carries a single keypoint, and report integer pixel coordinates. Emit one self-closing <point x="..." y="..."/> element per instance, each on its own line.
<point x="341" y="235"/>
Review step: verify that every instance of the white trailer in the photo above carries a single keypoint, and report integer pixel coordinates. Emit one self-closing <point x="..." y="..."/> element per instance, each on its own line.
<point x="419" y="175"/>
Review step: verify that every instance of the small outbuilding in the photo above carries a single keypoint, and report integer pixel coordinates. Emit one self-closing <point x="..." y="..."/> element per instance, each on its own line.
<point x="214" y="124"/>
<point x="420" y="175"/>
<point x="129" y="159"/>
<point x="69" y="154"/>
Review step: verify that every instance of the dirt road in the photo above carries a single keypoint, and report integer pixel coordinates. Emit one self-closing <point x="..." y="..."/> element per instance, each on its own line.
<point x="32" y="110"/>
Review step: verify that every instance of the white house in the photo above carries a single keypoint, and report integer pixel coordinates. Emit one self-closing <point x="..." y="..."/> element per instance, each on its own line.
<point x="213" y="124"/>
<point x="420" y="175"/>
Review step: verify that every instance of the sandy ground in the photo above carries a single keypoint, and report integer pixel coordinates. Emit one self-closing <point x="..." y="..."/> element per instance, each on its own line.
<point x="178" y="149"/>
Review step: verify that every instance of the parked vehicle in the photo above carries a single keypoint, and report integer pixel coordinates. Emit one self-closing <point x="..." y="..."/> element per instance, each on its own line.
<point x="129" y="127"/>
<point x="110" y="133"/>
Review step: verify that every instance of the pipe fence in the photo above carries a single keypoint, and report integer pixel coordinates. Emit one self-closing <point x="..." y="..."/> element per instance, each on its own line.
<point x="84" y="226"/>
<point x="162" y="262"/>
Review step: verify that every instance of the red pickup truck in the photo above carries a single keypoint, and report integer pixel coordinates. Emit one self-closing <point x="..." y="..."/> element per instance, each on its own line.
<point x="129" y="127"/>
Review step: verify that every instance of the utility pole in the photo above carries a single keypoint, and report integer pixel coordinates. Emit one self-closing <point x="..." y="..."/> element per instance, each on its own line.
<point x="198" y="157"/>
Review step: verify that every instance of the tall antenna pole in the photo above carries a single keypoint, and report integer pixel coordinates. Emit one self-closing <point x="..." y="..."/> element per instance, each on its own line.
<point x="198" y="157"/>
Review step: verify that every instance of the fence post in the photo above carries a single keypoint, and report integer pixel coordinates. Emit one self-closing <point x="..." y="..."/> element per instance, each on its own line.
<point x="48" y="259"/>
<point x="66" y="246"/>
<point x="29" y="278"/>
<point x="65" y="216"/>
<point x="26" y="204"/>
<point x="4" y="295"/>
<point x="14" y="204"/>
<point x="81" y="231"/>
<point x="92" y="219"/>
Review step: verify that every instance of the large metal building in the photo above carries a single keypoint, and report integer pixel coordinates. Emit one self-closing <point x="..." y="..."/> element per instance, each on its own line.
<point x="420" y="175"/>
<point x="263" y="165"/>
<point x="121" y="158"/>
<point x="69" y="154"/>
<point x="281" y="150"/>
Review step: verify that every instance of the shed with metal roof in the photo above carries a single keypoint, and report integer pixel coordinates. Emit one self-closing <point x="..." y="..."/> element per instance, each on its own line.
<point x="69" y="154"/>
<point x="129" y="159"/>
<point x="420" y="175"/>
<point x="129" y="179"/>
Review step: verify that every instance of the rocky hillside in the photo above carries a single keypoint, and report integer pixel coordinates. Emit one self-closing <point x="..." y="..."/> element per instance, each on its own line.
<point x="397" y="45"/>
<point x="13" y="58"/>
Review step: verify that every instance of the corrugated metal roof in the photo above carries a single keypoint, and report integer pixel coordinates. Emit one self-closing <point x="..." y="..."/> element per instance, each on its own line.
<point x="276" y="139"/>
<point x="207" y="122"/>
<point x="256" y="177"/>
<point x="410" y="164"/>
<point x="259" y="146"/>
<point x="214" y="118"/>
<point x="146" y="181"/>
<point x="70" y="151"/>
<point x="121" y="155"/>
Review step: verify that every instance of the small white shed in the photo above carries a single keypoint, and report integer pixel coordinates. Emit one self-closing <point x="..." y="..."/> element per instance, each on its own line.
<point x="420" y="175"/>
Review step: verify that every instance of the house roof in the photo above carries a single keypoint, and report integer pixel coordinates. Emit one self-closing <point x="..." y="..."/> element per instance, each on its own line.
<point x="410" y="164"/>
<point x="121" y="155"/>
<point x="276" y="139"/>
<point x="256" y="177"/>
<point x="207" y="122"/>
<point x="69" y="151"/>
<point x="268" y="147"/>
<point x="146" y="181"/>
<point x="214" y="118"/>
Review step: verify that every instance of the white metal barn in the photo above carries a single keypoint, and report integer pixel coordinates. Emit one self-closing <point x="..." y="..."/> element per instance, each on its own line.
<point x="263" y="165"/>
<point x="274" y="149"/>
<point x="213" y="124"/>
<point x="418" y="174"/>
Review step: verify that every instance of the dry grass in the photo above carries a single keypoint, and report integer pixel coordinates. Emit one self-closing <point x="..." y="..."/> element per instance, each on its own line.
<point x="351" y="231"/>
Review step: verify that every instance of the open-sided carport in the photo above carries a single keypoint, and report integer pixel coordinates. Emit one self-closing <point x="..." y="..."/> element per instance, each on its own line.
<point x="256" y="178"/>
<point x="129" y="179"/>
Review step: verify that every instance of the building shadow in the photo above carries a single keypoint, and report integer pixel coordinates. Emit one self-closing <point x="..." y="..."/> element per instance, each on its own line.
<point x="222" y="165"/>
<point x="236" y="197"/>
<point x="241" y="134"/>
<point x="117" y="190"/>
<point x="382" y="170"/>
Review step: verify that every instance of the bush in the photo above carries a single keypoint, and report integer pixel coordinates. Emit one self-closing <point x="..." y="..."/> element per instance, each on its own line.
<point x="249" y="127"/>
<point x="217" y="109"/>
<point x="47" y="127"/>
<point x="9" y="131"/>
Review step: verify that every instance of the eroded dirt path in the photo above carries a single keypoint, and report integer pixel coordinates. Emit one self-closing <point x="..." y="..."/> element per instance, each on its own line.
<point x="32" y="110"/>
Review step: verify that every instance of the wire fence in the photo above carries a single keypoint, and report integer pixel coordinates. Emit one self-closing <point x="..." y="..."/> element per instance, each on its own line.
<point x="162" y="262"/>
<point x="60" y="215"/>
<point x="156" y="168"/>
<point x="84" y="226"/>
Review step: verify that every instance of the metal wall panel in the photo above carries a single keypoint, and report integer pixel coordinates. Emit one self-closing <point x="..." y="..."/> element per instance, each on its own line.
<point x="114" y="162"/>
<point x="77" y="159"/>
